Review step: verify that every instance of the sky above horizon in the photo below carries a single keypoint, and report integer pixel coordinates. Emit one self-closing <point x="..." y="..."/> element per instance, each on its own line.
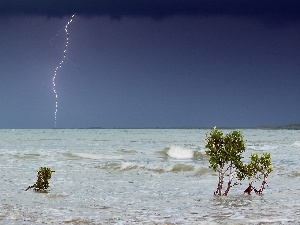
<point x="150" y="63"/>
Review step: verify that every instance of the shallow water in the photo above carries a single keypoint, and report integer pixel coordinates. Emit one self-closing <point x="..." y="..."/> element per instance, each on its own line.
<point x="140" y="177"/>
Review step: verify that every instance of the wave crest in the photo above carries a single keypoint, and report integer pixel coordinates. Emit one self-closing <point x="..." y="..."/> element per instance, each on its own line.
<point x="177" y="152"/>
<point x="127" y="166"/>
<point x="297" y="144"/>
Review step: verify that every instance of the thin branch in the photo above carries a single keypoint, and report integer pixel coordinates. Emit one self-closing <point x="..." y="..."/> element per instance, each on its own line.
<point x="29" y="187"/>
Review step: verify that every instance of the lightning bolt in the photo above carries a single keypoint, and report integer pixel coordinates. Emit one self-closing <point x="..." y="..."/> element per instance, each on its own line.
<point x="58" y="67"/>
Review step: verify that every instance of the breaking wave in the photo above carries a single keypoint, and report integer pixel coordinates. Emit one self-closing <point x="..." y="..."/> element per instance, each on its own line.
<point x="297" y="144"/>
<point x="177" y="152"/>
<point x="157" y="168"/>
<point x="90" y="156"/>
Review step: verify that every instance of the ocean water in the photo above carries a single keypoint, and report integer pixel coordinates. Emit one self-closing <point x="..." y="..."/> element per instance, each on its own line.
<point x="143" y="176"/>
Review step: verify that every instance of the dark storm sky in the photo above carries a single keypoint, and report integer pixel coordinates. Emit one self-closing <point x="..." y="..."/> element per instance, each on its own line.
<point x="179" y="63"/>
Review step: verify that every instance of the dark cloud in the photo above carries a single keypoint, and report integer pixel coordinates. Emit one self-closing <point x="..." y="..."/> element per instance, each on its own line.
<point x="270" y="10"/>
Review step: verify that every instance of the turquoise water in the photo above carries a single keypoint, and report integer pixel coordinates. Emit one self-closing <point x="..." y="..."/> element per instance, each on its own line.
<point x="140" y="177"/>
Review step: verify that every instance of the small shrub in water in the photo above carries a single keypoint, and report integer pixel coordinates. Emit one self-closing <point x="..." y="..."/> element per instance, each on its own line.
<point x="225" y="154"/>
<point x="258" y="169"/>
<point x="42" y="183"/>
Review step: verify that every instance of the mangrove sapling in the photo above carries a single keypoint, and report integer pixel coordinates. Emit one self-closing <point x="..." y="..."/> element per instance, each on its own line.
<point x="258" y="169"/>
<point x="42" y="183"/>
<point x="225" y="154"/>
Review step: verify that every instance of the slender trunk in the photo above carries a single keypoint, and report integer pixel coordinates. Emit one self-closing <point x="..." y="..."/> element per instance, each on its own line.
<point x="228" y="188"/>
<point x="229" y="181"/>
<point x="220" y="183"/>
<point x="259" y="192"/>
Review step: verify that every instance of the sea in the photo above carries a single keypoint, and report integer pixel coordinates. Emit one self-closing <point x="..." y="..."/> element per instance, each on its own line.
<point x="140" y="176"/>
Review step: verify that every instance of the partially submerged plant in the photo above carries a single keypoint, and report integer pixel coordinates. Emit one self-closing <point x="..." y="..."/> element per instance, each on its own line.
<point x="42" y="184"/>
<point x="258" y="169"/>
<point x="225" y="154"/>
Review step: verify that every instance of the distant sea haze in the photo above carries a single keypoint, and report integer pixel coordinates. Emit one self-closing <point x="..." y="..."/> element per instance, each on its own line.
<point x="287" y="127"/>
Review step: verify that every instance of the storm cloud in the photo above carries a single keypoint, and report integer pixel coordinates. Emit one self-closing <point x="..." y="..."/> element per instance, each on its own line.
<point x="268" y="10"/>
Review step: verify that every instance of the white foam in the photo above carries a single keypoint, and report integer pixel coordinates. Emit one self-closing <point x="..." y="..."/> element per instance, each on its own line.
<point x="152" y="167"/>
<point x="127" y="166"/>
<point x="297" y="144"/>
<point x="177" y="152"/>
<point x="262" y="147"/>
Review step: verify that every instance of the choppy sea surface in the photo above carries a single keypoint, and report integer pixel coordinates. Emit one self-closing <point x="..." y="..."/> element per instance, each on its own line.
<point x="143" y="176"/>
